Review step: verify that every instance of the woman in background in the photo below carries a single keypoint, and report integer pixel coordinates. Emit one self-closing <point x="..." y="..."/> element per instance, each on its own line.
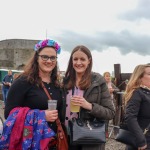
<point x="112" y="90"/>
<point x="137" y="113"/>
<point x="87" y="90"/>
<point x="111" y="86"/>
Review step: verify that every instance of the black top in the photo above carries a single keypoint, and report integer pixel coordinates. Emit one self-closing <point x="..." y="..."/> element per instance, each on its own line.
<point x="24" y="94"/>
<point x="138" y="114"/>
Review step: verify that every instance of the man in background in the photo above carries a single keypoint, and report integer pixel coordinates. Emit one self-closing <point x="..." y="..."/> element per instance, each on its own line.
<point x="6" y="83"/>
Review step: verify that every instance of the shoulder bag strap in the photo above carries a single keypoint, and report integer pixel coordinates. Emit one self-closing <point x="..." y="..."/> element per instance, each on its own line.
<point x="48" y="95"/>
<point x="57" y="120"/>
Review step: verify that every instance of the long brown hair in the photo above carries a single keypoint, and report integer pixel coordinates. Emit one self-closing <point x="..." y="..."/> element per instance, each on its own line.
<point x="31" y="71"/>
<point x="70" y="76"/>
<point x="135" y="81"/>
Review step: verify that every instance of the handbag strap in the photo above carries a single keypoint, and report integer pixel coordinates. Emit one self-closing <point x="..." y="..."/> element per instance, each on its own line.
<point x="48" y="95"/>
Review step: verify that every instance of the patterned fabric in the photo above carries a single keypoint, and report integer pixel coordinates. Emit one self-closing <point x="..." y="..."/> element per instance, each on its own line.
<point x="32" y="132"/>
<point x="70" y="114"/>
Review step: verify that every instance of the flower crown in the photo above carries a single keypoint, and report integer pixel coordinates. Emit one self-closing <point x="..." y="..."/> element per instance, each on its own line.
<point x="47" y="42"/>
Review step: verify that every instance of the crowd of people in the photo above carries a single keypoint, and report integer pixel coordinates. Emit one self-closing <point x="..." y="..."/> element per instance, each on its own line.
<point x="91" y="92"/>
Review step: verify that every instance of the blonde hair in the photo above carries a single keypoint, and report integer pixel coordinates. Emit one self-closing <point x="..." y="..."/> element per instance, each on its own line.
<point x="106" y="73"/>
<point x="135" y="81"/>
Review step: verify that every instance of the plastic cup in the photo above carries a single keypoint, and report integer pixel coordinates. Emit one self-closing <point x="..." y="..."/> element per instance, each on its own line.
<point x="74" y="108"/>
<point x="52" y="104"/>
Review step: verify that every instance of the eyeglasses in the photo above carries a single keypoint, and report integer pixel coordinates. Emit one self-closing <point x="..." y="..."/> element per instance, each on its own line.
<point x="45" y="57"/>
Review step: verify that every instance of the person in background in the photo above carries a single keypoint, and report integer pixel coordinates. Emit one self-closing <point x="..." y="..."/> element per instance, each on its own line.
<point x="137" y="110"/>
<point x="15" y="76"/>
<point x="27" y="89"/>
<point x="90" y="92"/>
<point x="6" y="83"/>
<point x="112" y="90"/>
<point x="111" y="86"/>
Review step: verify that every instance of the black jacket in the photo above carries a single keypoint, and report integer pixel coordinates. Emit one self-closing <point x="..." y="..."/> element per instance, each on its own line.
<point x="137" y="114"/>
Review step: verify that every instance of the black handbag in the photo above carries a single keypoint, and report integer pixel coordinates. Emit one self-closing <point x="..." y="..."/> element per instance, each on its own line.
<point x="126" y="137"/>
<point x="86" y="132"/>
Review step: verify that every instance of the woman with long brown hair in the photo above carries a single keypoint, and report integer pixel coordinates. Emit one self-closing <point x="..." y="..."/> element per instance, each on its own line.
<point x="27" y="90"/>
<point x="86" y="90"/>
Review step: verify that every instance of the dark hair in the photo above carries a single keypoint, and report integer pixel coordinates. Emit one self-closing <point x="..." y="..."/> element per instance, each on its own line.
<point x="31" y="71"/>
<point x="70" y="76"/>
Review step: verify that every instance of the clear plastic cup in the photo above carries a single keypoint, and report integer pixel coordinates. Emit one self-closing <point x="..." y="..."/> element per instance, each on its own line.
<point x="52" y="104"/>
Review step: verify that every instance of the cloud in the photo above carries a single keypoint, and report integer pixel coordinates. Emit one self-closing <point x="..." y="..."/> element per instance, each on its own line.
<point x="140" y="12"/>
<point x="124" y="40"/>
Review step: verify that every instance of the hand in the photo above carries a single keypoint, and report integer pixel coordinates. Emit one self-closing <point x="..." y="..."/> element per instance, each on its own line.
<point x="5" y="83"/>
<point x="80" y="101"/>
<point x="111" y="90"/>
<point x="142" y="148"/>
<point x="51" y="115"/>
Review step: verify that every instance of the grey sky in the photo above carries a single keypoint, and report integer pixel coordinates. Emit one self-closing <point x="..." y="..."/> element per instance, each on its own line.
<point x="125" y="41"/>
<point x="118" y="28"/>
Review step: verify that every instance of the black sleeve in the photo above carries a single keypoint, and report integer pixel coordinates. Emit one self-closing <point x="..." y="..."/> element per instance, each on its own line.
<point x="16" y="95"/>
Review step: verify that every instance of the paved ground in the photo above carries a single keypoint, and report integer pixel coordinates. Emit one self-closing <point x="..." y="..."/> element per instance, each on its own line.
<point x="111" y="144"/>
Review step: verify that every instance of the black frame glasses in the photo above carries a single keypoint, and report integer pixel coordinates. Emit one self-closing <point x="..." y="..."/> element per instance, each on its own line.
<point x="45" y="58"/>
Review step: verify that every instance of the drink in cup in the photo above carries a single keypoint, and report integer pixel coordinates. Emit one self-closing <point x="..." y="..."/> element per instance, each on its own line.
<point x="74" y="108"/>
<point x="52" y="104"/>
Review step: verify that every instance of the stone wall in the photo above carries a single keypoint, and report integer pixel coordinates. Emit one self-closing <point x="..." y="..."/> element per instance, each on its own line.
<point x="15" y="53"/>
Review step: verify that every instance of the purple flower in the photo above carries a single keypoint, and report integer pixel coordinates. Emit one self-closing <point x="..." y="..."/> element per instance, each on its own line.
<point x="47" y="42"/>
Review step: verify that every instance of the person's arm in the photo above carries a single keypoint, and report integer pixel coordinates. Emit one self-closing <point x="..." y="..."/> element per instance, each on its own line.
<point x="115" y="89"/>
<point x="104" y="110"/>
<point x="3" y="81"/>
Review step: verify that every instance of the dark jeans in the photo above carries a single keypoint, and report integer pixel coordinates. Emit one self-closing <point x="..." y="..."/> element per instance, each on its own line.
<point x="5" y="93"/>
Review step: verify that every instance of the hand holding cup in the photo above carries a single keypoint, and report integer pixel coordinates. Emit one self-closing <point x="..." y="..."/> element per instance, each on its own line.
<point x="51" y="113"/>
<point x="79" y="101"/>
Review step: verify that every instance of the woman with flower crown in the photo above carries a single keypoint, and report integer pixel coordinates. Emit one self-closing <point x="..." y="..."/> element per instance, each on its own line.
<point x="27" y="90"/>
<point x="88" y="90"/>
